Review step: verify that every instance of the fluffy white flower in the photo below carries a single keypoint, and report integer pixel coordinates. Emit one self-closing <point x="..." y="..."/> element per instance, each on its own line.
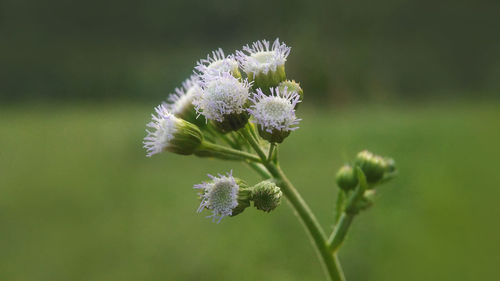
<point x="223" y="94"/>
<point x="220" y="195"/>
<point x="261" y="57"/>
<point x="164" y="126"/>
<point x="275" y="111"/>
<point x="217" y="63"/>
<point x="183" y="97"/>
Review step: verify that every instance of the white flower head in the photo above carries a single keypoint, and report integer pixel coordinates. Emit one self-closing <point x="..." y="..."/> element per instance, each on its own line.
<point x="261" y="57"/>
<point x="223" y="94"/>
<point x="164" y="125"/>
<point x="217" y="63"/>
<point x="220" y="195"/>
<point x="183" y="97"/>
<point x="275" y="111"/>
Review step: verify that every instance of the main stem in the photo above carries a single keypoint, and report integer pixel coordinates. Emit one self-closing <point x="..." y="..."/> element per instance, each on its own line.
<point x="305" y="214"/>
<point x="330" y="261"/>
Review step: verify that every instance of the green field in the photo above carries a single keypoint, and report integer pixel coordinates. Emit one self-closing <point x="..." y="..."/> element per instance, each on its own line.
<point x="80" y="201"/>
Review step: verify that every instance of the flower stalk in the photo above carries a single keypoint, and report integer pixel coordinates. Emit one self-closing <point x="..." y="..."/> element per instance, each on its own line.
<point x="251" y="115"/>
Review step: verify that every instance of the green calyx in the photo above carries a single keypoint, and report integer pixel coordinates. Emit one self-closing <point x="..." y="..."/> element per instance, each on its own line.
<point x="276" y="136"/>
<point x="268" y="80"/>
<point x="346" y="178"/>
<point x="266" y="196"/>
<point x="244" y="197"/>
<point x="186" y="140"/>
<point x="232" y="122"/>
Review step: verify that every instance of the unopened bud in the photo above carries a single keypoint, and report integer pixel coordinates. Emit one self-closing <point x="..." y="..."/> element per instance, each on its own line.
<point x="292" y="86"/>
<point x="347" y="178"/>
<point x="266" y="196"/>
<point x="390" y="165"/>
<point x="373" y="166"/>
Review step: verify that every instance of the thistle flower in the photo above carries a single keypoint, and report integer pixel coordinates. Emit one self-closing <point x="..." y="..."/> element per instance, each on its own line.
<point x="223" y="100"/>
<point x="263" y="63"/>
<point x="180" y="103"/>
<point x="171" y="133"/>
<point x="224" y="196"/>
<point x="218" y="63"/>
<point x="275" y="114"/>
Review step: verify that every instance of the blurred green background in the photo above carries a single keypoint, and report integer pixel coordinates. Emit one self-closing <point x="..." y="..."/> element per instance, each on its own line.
<point x="416" y="80"/>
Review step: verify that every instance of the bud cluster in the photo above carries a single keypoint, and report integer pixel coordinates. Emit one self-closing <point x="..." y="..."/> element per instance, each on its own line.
<point x="367" y="168"/>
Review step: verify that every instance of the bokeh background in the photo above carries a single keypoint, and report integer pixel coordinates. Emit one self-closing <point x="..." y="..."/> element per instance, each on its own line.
<point x="416" y="80"/>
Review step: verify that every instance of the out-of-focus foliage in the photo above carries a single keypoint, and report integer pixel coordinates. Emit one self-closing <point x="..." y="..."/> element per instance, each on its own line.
<point x="342" y="50"/>
<point x="80" y="201"/>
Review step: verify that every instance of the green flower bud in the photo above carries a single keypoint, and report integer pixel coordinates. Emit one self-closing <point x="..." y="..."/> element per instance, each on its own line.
<point x="346" y="178"/>
<point x="390" y="165"/>
<point x="373" y="166"/>
<point x="292" y="86"/>
<point x="266" y="196"/>
<point x="171" y="134"/>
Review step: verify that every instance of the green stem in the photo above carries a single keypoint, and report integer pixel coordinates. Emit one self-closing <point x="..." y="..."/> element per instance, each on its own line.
<point x="340" y="232"/>
<point x="340" y="205"/>
<point x="306" y="216"/>
<point x="272" y="146"/>
<point x="330" y="261"/>
<point x="261" y="170"/>
<point x="253" y="142"/>
<point x="350" y="211"/>
<point x="208" y="149"/>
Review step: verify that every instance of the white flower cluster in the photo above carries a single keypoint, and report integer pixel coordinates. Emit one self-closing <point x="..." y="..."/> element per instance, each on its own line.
<point x="217" y="91"/>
